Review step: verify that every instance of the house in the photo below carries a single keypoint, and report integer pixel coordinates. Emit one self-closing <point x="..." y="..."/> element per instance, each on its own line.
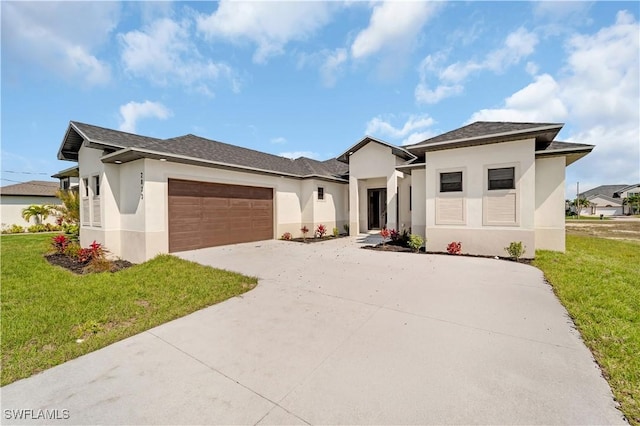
<point x="485" y="184"/>
<point x="624" y="194"/>
<point x="603" y="200"/>
<point x="17" y="197"/>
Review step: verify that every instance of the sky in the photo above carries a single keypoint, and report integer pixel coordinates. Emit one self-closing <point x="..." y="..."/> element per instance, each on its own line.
<point x="313" y="78"/>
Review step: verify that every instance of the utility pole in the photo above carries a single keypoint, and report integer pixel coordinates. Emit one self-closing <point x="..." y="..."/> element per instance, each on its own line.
<point x="578" y="206"/>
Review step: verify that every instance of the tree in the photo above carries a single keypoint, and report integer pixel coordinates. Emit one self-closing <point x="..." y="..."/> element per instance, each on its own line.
<point x="39" y="213"/>
<point x="633" y="201"/>
<point x="69" y="210"/>
<point x="579" y="203"/>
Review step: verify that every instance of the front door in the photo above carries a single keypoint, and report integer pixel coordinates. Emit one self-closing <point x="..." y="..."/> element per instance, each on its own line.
<point x="377" y="208"/>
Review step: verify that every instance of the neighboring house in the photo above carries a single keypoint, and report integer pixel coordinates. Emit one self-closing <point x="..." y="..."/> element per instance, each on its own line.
<point x="603" y="200"/>
<point x="69" y="179"/>
<point x="485" y="185"/>
<point x="17" y="197"/>
<point x="626" y="192"/>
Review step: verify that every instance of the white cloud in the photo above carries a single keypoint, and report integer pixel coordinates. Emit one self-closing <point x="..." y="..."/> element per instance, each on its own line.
<point x="517" y="46"/>
<point x="393" y="25"/>
<point x="597" y="93"/>
<point x="414" y="130"/>
<point x="164" y="53"/>
<point x="297" y="154"/>
<point x="279" y="140"/>
<point x="332" y="66"/>
<point x="49" y="35"/>
<point x="532" y="68"/>
<point x="134" y="111"/>
<point x="269" y="25"/>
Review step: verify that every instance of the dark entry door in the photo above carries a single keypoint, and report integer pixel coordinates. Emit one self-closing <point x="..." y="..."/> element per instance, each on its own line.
<point x="377" y="208"/>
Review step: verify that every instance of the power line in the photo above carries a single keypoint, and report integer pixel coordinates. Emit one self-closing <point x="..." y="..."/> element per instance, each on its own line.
<point x="25" y="173"/>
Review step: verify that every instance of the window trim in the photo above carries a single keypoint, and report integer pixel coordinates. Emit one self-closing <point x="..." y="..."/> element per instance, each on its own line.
<point x="96" y="186"/>
<point x="450" y="196"/>
<point x="513" y="178"/>
<point x="320" y="196"/>
<point x="440" y="175"/>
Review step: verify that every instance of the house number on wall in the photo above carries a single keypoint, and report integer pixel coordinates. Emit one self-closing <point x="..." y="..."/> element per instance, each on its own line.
<point x="142" y="185"/>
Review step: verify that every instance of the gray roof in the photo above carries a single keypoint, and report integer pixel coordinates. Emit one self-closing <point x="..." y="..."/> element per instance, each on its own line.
<point x="193" y="149"/>
<point x="488" y="129"/>
<point x="38" y="188"/>
<point x="606" y="190"/>
<point x="628" y="187"/>
<point x="396" y="150"/>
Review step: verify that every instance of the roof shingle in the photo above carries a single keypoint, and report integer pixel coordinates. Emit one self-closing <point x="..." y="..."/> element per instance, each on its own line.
<point x="39" y="188"/>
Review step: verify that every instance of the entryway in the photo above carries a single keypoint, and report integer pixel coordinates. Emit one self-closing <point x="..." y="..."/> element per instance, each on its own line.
<point x="377" y="208"/>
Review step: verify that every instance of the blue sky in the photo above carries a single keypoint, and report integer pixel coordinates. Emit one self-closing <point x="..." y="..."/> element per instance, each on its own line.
<point x="312" y="78"/>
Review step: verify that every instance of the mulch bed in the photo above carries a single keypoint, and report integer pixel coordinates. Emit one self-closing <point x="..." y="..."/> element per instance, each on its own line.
<point x="76" y="267"/>
<point x="317" y="240"/>
<point x="400" y="249"/>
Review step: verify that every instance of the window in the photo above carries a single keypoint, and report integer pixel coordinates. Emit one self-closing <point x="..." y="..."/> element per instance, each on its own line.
<point x="410" y="198"/>
<point x="85" y="183"/>
<point x="96" y="188"/>
<point x="503" y="178"/>
<point x="451" y="182"/>
<point x="320" y="193"/>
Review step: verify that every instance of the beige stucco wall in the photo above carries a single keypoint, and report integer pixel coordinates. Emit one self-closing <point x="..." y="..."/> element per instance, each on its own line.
<point x="474" y="231"/>
<point x="550" y="209"/>
<point x="372" y="166"/>
<point x="134" y="202"/>
<point x="11" y="207"/>
<point x="419" y="203"/>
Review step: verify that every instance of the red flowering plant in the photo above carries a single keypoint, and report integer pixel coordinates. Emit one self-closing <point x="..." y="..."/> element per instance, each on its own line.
<point x="385" y="234"/>
<point x="454" y="248"/>
<point x="304" y="231"/>
<point x="321" y="230"/>
<point x="60" y="243"/>
<point x="95" y="251"/>
<point x="286" y="236"/>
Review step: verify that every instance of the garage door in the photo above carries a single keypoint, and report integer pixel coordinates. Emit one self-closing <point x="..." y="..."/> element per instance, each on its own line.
<point x="203" y="214"/>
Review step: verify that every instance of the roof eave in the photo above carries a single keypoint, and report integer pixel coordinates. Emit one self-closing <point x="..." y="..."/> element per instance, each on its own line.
<point x="132" y="154"/>
<point x="488" y="139"/>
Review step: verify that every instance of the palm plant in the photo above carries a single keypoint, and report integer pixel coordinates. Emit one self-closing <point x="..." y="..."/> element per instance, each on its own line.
<point x="633" y="201"/>
<point x="69" y="210"/>
<point x="39" y="213"/>
<point x="579" y="203"/>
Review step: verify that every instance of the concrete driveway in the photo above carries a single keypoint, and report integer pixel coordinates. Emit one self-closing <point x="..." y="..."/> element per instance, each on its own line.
<point x="335" y="334"/>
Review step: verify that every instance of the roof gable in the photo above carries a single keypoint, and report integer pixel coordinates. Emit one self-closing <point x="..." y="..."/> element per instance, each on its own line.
<point x="395" y="150"/>
<point x="605" y="190"/>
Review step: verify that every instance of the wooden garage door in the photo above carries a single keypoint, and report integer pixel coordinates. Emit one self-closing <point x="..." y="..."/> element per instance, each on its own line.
<point x="203" y="214"/>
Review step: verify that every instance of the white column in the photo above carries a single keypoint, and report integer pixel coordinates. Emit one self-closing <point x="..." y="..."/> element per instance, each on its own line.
<point x="354" y="202"/>
<point x="392" y="194"/>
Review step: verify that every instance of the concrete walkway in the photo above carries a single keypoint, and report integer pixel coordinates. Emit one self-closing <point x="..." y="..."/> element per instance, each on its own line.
<point x="335" y="334"/>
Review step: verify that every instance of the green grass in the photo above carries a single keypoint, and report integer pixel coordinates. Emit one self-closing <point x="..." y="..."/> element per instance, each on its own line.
<point x="598" y="281"/>
<point x="46" y="308"/>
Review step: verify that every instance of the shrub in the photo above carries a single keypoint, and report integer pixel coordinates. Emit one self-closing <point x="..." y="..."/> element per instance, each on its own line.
<point x="346" y="228"/>
<point x="13" y="229"/>
<point x="37" y="228"/>
<point x="95" y="251"/>
<point x="72" y="249"/>
<point x="60" y="243"/>
<point x="336" y="232"/>
<point x="516" y="250"/>
<point x="286" y="236"/>
<point x="72" y="231"/>
<point x="454" y="248"/>
<point x="304" y="231"/>
<point x="414" y="242"/>
<point x="321" y="230"/>
<point x="98" y="265"/>
<point x="385" y="234"/>
<point x="52" y="227"/>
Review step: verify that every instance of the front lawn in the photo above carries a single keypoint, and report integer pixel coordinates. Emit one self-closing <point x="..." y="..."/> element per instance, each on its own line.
<point x="50" y="315"/>
<point x="598" y="281"/>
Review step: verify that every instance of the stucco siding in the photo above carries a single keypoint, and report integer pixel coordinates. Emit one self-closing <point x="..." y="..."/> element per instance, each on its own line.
<point x="479" y="232"/>
<point x="550" y="197"/>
